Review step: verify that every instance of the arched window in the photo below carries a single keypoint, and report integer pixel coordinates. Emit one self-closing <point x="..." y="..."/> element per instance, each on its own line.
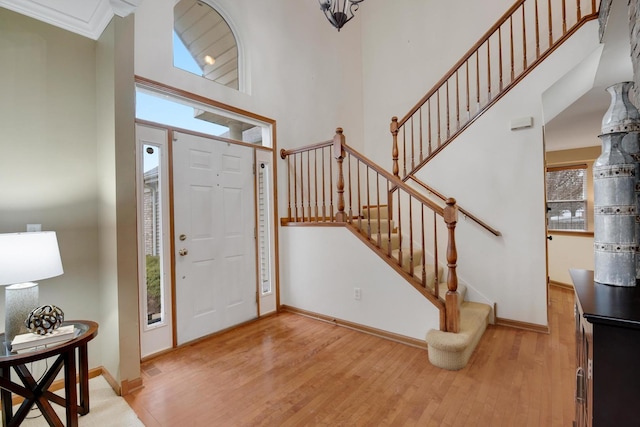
<point x="204" y="44"/>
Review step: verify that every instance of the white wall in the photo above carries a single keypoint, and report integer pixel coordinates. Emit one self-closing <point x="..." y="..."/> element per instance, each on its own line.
<point x="567" y="252"/>
<point x="48" y="155"/>
<point x="326" y="263"/>
<point x="302" y="72"/>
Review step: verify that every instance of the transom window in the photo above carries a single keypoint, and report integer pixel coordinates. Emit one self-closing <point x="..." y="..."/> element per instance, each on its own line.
<point x="567" y="197"/>
<point x="204" y="44"/>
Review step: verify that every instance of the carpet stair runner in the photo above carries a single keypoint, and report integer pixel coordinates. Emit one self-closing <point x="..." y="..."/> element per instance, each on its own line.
<point x="446" y="350"/>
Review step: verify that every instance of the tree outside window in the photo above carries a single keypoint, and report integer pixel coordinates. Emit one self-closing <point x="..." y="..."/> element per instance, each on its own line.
<point x="567" y="198"/>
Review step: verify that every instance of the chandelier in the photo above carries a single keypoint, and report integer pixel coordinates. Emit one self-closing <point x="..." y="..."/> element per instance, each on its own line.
<point x="338" y="12"/>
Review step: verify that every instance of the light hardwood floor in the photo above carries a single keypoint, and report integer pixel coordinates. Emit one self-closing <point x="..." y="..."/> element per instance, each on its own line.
<point x="289" y="370"/>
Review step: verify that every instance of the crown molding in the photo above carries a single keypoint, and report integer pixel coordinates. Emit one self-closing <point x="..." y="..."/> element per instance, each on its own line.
<point x="88" y="18"/>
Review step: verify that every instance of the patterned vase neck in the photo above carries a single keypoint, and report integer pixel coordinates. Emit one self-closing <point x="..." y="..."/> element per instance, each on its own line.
<point x="622" y="115"/>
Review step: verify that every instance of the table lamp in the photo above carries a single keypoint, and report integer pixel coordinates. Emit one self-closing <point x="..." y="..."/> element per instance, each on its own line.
<point x="25" y="257"/>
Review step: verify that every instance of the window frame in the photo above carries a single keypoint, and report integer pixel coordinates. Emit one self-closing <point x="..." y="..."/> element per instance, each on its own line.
<point x="584" y="200"/>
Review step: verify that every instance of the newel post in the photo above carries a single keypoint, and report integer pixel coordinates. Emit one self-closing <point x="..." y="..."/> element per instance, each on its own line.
<point x="394" y="150"/>
<point x="338" y="153"/>
<point x="451" y="300"/>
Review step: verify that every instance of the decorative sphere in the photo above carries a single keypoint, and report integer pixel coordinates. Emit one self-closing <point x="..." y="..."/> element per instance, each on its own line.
<point x="44" y="319"/>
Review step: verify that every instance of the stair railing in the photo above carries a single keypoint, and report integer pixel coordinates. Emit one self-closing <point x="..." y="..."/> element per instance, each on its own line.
<point x="466" y="213"/>
<point x="521" y="39"/>
<point x="401" y="225"/>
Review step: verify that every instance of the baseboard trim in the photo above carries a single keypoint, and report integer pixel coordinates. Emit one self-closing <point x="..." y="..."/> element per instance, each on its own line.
<point x="516" y="324"/>
<point x="129" y="386"/>
<point x="561" y="285"/>
<point x="358" y="327"/>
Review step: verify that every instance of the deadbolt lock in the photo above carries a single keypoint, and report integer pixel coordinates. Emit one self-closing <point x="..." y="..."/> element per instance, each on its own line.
<point x="183" y="237"/>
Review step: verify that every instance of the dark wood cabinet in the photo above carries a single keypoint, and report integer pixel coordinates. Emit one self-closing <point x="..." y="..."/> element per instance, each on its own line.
<point x="607" y="352"/>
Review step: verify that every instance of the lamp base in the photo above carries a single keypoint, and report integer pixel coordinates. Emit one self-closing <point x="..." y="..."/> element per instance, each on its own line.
<point x="19" y="300"/>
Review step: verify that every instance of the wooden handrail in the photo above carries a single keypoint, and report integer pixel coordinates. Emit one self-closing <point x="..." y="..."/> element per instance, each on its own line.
<point x="396" y="182"/>
<point x="461" y="89"/>
<point x="464" y="212"/>
<point x="284" y="153"/>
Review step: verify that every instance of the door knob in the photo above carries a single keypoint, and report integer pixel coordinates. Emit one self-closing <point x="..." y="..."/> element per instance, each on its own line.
<point x="550" y="237"/>
<point x="183" y="252"/>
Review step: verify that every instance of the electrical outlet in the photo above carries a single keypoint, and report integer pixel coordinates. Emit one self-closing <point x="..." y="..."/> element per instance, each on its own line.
<point x="357" y="294"/>
<point x="34" y="228"/>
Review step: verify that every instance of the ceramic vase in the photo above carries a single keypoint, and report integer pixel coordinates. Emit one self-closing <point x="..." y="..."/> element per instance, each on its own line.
<point x="622" y="115"/>
<point x="615" y="206"/>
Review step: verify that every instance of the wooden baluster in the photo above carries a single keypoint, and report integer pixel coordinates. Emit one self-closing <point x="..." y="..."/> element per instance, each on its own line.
<point x="550" y="24"/>
<point x="310" y="216"/>
<point x="389" y="215"/>
<point x="500" y="55"/>
<point x="512" y="57"/>
<point x="457" y="100"/>
<point x="295" y="185"/>
<point x="410" y="271"/>
<point x="379" y="233"/>
<point x="399" y="229"/>
<point x="451" y="299"/>
<point x="468" y="92"/>
<point x="436" y="288"/>
<point x="338" y="153"/>
<point x="302" y="185"/>
<point x="324" y="178"/>
<point x="315" y="181"/>
<point x="564" y="17"/>
<point x="524" y="41"/>
<point x="578" y="11"/>
<point x="350" y="217"/>
<point x="404" y="149"/>
<point x="423" y="274"/>
<point x="282" y="155"/>
<point x="413" y="148"/>
<point x="488" y="69"/>
<point x="438" y="111"/>
<point x="448" y="113"/>
<point x="538" y="31"/>
<point x="394" y="151"/>
<point x="429" y="124"/>
<point x="359" y="202"/>
<point x="421" y="156"/>
<point x="593" y="6"/>
<point x="477" y="83"/>
<point x="366" y="171"/>
<point x="331" y="216"/>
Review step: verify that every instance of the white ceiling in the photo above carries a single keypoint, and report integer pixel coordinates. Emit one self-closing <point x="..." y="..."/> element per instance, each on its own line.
<point x="85" y="17"/>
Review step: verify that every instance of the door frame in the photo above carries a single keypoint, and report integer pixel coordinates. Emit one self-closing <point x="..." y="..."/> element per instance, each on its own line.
<point x="269" y="148"/>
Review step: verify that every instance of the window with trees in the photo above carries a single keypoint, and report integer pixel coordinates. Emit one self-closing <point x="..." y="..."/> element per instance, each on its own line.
<point x="567" y="198"/>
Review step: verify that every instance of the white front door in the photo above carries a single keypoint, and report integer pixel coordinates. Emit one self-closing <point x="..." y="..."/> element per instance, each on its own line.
<point x="214" y="235"/>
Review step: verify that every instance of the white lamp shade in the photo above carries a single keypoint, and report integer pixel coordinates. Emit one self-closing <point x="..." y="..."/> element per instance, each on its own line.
<point x="26" y="257"/>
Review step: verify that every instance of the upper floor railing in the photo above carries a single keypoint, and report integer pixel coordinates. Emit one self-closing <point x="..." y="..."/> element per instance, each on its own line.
<point x="330" y="183"/>
<point x="523" y="37"/>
